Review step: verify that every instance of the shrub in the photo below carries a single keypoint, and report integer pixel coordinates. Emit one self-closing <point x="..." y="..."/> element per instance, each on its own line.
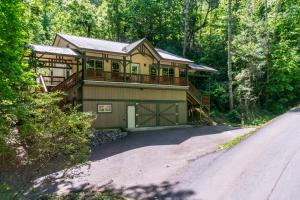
<point x="234" y="116"/>
<point x="38" y="130"/>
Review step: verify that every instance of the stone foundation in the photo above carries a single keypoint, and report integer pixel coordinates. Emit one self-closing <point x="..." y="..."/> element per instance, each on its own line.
<point x="99" y="137"/>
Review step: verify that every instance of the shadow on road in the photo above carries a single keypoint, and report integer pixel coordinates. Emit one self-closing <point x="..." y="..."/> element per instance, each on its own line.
<point x="164" y="190"/>
<point x="153" y="138"/>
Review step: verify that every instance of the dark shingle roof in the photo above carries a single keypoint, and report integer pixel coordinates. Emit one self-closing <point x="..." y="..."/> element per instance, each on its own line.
<point x="115" y="47"/>
<point x="53" y="50"/>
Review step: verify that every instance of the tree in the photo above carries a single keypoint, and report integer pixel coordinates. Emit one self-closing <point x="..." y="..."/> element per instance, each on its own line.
<point x="229" y="59"/>
<point x="185" y="27"/>
<point x="13" y="78"/>
<point x="31" y="123"/>
<point x="83" y="17"/>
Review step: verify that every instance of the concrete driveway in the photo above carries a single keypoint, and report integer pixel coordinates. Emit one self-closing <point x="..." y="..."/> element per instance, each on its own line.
<point x="143" y="161"/>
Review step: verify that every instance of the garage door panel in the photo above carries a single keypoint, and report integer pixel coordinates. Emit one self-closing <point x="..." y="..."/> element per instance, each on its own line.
<point x="167" y="120"/>
<point x="156" y="114"/>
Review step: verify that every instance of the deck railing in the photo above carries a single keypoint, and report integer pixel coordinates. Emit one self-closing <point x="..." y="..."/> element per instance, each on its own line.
<point x="53" y="80"/>
<point x="134" y="78"/>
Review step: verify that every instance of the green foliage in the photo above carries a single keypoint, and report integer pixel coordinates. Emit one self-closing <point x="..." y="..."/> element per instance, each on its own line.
<point x="234" y="116"/>
<point x="42" y="131"/>
<point x="33" y="128"/>
<point x="7" y="192"/>
<point x="219" y="96"/>
<point x="13" y="77"/>
<point x="12" y="41"/>
<point x="82" y="17"/>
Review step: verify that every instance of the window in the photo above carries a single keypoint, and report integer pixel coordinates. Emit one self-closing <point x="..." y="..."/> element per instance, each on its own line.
<point x="104" y="108"/>
<point x="168" y="71"/>
<point x="90" y="64"/>
<point x="165" y="72"/>
<point x="115" y="66"/>
<point x="94" y="64"/>
<point x="182" y="73"/>
<point x="135" y="68"/>
<point x="99" y="65"/>
<point x="171" y="72"/>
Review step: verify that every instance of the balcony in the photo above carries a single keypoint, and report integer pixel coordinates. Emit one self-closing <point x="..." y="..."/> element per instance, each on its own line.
<point x="134" y="78"/>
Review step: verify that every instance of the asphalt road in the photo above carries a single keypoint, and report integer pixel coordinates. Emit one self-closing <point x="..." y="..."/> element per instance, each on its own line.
<point x="264" y="166"/>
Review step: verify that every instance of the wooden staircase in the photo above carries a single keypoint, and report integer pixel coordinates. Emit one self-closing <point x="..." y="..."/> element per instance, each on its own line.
<point x="199" y="104"/>
<point x="68" y="83"/>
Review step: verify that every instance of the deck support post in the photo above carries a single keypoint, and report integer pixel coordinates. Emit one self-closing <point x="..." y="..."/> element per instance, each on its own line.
<point x="158" y="72"/>
<point x="187" y="75"/>
<point x="83" y="66"/>
<point x="124" y="68"/>
<point x="77" y="68"/>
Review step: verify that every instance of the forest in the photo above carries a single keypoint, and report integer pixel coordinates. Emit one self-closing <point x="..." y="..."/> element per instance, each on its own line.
<point x="264" y="40"/>
<point x="254" y="45"/>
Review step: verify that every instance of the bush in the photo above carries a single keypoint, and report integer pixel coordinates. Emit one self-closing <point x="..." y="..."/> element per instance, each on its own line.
<point x="8" y="192"/>
<point x="234" y="116"/>
<point x="38" y="130"/>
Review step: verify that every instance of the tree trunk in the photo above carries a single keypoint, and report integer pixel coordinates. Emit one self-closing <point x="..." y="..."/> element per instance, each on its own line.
<point x="229" y="61"/>
<point x="210" y="23"/>
<point x="267" y="53"/>
<point x="185" y="27"/>
<point x="89" y="30"/>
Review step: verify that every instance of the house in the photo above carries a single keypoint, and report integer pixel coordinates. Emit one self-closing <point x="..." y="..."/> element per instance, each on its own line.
<point x="128" y="85"/>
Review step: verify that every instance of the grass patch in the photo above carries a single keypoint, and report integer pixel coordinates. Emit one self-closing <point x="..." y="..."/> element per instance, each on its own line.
<point x="235" y="141"/>
<point x="86" y="196"/>
<point x="8" y="192"/>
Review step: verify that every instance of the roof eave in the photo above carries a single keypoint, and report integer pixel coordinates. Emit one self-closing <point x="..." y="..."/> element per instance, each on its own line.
<point x="180" y="61"/>
<point x="42" y="52"/>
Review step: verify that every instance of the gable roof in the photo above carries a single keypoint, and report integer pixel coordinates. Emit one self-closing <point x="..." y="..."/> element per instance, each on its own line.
<point x="53" y="50"/>
<point x="133" y="45"/>
<point x="117" y="47"/>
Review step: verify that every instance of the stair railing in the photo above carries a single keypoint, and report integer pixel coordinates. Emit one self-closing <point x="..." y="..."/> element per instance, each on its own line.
<point x="41" y="80"/>
<point x="204" y="101"/>
<point x="68" y="83"/>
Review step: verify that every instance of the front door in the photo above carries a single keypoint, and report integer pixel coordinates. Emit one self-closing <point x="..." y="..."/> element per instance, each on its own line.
<point x="131" y="116"/>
